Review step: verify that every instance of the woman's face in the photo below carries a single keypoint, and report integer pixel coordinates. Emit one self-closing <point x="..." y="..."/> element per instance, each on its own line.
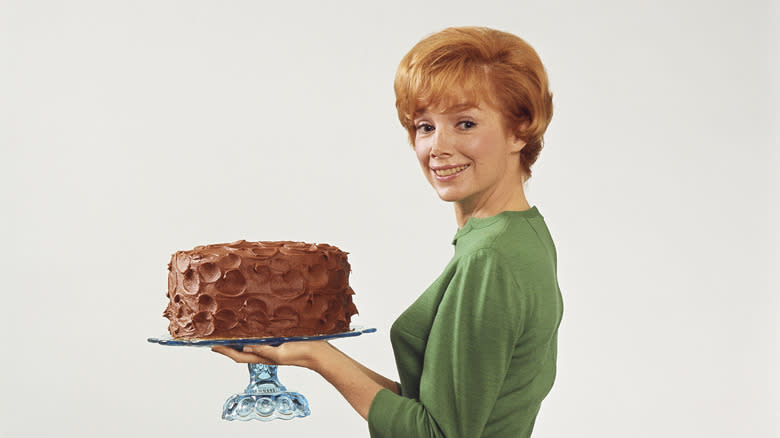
<point x="467" y="155"/>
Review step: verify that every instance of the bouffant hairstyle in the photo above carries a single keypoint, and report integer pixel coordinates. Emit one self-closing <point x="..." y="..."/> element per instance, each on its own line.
<point x="480" y="65"/>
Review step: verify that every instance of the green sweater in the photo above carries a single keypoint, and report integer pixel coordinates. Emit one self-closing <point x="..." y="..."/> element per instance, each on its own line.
<point x="476" y="352"/>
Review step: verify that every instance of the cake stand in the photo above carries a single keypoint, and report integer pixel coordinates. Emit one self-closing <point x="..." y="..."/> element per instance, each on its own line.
<point x="265" y="398"/>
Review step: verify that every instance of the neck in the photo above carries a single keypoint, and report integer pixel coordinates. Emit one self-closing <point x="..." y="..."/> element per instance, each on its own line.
<point x="506" y="200"/>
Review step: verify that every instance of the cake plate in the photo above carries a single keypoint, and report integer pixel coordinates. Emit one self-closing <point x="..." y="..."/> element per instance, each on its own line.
<point x="265" y="398"/>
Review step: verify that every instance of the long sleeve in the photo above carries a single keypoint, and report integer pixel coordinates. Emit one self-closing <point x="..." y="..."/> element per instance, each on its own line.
<point x="467" y="355"/>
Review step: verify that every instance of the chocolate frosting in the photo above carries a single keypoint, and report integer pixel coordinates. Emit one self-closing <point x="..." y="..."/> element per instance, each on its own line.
<point x="258" y="289"/>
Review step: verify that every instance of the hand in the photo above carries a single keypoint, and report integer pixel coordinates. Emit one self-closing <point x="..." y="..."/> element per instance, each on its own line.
<point x="303" y="354"/>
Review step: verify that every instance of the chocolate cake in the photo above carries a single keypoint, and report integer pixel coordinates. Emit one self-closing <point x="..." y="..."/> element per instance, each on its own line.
<point x="258" y="289"/>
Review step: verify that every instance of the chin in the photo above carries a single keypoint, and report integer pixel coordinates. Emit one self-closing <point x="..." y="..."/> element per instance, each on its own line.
<point x="448" y="196"/>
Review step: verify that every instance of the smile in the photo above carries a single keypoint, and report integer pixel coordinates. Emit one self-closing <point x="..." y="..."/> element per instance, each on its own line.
<point x="450" y="171"/>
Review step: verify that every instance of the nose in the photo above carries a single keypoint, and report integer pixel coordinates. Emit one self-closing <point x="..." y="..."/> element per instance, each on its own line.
<point x="441" y="146"/>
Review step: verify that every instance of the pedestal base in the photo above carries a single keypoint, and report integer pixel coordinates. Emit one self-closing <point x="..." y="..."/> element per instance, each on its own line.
<point x="285" y="406"/>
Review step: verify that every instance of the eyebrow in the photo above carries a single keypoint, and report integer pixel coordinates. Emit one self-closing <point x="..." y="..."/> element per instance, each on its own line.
<point x="461" y="107"/>
<point x="450" y="110"/>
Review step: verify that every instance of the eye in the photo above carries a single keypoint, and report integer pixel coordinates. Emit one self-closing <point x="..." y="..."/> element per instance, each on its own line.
<point x="468" y="124"/>
<point x="424" y="128"/>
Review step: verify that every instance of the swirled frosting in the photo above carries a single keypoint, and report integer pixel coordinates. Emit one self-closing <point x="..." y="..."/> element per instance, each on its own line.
<point x="258" y="289"/>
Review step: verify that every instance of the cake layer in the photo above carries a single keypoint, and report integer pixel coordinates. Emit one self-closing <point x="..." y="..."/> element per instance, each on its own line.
<point x="258" y="289"/>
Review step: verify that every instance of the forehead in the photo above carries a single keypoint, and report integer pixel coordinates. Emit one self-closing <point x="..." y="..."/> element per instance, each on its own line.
<point x="453" y="101"/>
<point x="457" y="93"/>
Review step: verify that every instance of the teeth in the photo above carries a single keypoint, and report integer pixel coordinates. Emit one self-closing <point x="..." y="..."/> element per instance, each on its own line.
<point x="451" y="171"/>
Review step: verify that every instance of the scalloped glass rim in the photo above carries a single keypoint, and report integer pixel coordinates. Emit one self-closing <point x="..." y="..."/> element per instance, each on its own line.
<point x="167" y="339"/>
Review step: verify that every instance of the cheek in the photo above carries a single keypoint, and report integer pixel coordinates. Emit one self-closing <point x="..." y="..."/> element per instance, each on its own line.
<point x="481" y="149"/>
<point x="422" y="154"/>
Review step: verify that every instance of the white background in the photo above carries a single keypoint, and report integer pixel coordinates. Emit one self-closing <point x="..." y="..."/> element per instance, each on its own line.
<point x="132" y="129"/>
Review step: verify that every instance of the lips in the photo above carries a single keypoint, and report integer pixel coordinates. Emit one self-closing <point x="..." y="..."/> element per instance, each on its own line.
<point x="445" y="171"/>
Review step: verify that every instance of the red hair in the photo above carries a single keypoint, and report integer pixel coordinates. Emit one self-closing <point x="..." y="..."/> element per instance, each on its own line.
<point x="481" y="65"/>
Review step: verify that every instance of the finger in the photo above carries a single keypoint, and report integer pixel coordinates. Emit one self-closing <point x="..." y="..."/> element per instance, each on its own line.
<point x="261" y="350"/>
<point x="239" y="356"/>
<point x="268" y="353"/>
<point x="226" y="351"/>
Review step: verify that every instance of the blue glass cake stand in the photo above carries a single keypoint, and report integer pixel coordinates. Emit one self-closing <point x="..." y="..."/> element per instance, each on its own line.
<point x="265" y="398"/>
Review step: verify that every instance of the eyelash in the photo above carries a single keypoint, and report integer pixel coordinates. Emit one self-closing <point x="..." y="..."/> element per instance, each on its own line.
<point x="425" y="125"/>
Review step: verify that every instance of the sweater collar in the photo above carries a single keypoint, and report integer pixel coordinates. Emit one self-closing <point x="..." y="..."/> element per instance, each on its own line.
<point x="476" y="223"/>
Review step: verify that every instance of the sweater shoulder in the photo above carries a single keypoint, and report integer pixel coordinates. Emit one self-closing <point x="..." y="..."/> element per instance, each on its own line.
<point x="517" y="241"/>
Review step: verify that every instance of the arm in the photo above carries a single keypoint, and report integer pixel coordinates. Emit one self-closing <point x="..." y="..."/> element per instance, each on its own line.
<point x="354" y="381"/>
<point x="378" y="378"/>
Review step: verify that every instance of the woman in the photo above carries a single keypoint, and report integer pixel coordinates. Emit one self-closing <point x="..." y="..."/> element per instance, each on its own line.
<point x="476" y="353"/>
